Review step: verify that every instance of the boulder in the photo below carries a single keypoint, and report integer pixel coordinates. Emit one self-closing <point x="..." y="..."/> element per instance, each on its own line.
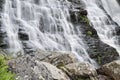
<point x="111" y="69"/>
<point x="27" y="68"/>
<point x="61" y="59"/>
<point x="80" y="70"/>
<point x="55" y="58"/>
<point x="103" y="77"/>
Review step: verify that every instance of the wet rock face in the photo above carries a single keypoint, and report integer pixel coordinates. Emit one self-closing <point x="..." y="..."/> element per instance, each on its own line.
<point x="98" y="50"/>
<point x="78" y="14"/>
<point x="3" y="34"/>
<point x="118" y="1"/>
<point x="1" y="4"/>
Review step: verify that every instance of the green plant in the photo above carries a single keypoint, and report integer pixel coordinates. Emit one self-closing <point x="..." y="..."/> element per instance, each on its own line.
<point x="84" y="18"/>
<point x="99" y="60"/>
<point x="89" y="33"/>
<point x="5" y="74"/>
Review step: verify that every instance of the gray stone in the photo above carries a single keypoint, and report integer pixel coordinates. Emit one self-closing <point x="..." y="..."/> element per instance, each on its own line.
<point x="111" y="69"/>
<point x="80" y="70"/>
<point x="27" y="68"/>
<point x="61" y="59"/>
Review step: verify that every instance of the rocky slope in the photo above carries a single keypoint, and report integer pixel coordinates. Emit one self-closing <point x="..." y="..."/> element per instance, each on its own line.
<point x="60" y="66"/>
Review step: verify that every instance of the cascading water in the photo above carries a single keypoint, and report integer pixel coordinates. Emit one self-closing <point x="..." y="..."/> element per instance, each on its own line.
<point x="42" y="24"/>
<point x="113" y="11"/>
<point x="102" y="16"/>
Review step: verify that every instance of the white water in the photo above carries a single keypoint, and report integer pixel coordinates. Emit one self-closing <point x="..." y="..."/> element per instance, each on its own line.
<point x="47" y="25"/>
<point x="102" y="23"/>
<point x="113" y="9"/>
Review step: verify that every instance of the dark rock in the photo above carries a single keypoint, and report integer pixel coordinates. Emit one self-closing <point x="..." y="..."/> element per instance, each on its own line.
<point x="118" y="1"/>
<point x="3" y="40"/>
<point x="100" y="51"/>
<point x="23" y="36"/>
<point x="117" y="29"/>
<point x="103" y="77"/>
<point x="1" y="4"/>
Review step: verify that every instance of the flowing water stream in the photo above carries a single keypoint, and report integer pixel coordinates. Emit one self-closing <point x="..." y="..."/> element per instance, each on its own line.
<point x="42" y="24"/>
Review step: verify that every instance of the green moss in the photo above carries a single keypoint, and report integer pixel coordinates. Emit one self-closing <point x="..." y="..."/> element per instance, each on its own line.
<point x="5" y="74"/>
<point x="84" y="18"/>
<point x="99" y="60"/>
<point x="89" y="33"/>
<point x="61" y="64"/>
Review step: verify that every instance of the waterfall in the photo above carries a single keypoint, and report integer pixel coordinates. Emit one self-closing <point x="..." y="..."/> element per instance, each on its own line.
<point x="42" y="24"/>
<point x="103" y="15"/>
<point x="113" y="11"/>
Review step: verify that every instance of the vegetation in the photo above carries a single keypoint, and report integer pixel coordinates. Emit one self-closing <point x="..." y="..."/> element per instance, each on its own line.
<point x="5" y="74"/>
<point x="84" y="18"/>
<point x="99" y="60"/>
<point x="89" y="33"/>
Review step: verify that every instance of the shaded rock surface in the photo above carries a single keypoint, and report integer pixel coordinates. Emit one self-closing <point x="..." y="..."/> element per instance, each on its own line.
<point x="81" y="70"/>
<point x="111" y="69"/>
